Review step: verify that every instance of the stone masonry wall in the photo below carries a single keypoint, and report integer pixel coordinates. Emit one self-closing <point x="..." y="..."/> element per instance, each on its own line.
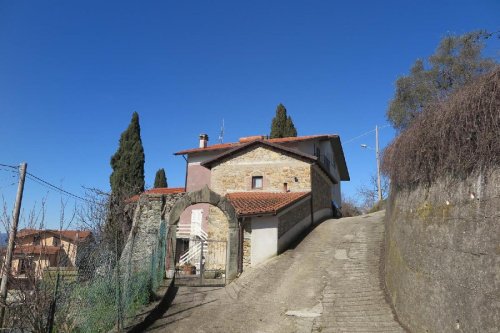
<point x="218" y="230"/>
<point x="247" y="244"/>
<point x="289" y="219"/>
<point x="275" y="168"/>
<point x="143" y="238"/>
<point x="322" y="193"/>
<point x="442" y="255"/>
<point x="217" y="224"/>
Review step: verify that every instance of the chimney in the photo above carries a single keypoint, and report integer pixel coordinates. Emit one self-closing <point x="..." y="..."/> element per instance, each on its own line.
<point x="252" y="138"/>
<point x="203" y="140"/>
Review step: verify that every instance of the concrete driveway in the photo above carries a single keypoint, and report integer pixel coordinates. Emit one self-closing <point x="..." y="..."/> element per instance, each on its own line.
<point x="328" y="283"/>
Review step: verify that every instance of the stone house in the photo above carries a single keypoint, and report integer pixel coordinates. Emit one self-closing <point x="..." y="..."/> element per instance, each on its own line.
<point x="278" y="187"/>
<point x="36" y="250"/>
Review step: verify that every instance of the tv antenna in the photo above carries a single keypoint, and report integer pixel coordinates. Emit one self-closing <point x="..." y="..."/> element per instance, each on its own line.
<point x="221" y="135"/>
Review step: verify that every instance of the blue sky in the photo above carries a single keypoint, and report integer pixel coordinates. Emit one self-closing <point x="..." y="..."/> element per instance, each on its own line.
<point x="72" y="73"/>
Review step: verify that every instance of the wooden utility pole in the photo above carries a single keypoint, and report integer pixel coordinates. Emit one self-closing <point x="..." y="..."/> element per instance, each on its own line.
<point x="378" y="165"/>
<point x="12" y="236"/>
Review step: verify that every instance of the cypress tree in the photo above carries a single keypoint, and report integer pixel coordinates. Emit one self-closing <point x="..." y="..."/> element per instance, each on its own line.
<point x="127" y="177"/>
<point x="290" y="128"/>
<point x="160" y="179"/>
<point x="282" y="126"/>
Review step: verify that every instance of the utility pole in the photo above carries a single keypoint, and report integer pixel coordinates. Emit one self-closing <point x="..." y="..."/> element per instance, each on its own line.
<point x="10" y="247"/>
<point x="378" y="164"/>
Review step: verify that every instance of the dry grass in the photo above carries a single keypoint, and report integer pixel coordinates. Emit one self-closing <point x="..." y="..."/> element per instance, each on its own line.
<point x="450" y="138"/>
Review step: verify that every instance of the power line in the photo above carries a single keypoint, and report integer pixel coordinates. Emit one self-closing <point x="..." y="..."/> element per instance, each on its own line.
<point x="9" y="166"/>
<point x="364" y="134"/>
<point x="7" y="185"/>
<point x="15" y="169"/>
<point x="54" y="187"/>
<point x="9" y="170"/>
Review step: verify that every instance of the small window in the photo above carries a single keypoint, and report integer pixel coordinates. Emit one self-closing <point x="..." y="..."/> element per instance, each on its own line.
<point x="24" y="266"/>
<point x="257" y="182"/>
<point x="55" y="241"/>
<point x="36" y="240"/>
<point x="285" y="187"/>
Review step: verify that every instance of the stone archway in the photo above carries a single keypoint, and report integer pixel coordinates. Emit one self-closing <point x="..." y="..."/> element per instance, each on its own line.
<point x="206" y="195"/>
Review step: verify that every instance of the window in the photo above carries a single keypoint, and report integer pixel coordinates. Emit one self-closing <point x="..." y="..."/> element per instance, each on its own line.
<point x="25" y="266"/>
<point x="257" y="182"/>
<point x="55" y="241"/>
<point x="36" y="240"/>
<point x="285" y="187"/>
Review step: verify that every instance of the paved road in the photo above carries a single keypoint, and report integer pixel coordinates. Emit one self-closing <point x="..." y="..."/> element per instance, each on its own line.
<point x="328" y="283"/>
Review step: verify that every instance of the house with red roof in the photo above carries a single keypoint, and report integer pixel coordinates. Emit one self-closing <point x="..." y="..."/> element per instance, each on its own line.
<point x="36" y="250"/>
<point x="278" y="187"/>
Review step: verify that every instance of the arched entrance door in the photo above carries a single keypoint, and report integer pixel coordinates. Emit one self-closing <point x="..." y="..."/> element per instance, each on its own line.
<point x="210" y="252"/>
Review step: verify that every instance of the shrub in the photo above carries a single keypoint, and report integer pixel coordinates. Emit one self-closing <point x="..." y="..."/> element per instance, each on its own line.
<point x="453" y="137"/>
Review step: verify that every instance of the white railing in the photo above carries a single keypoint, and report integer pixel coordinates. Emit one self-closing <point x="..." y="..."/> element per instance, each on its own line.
<point x="194" y="251"/>
<point x="183" y="230"/>
<point x="187" y="231"/>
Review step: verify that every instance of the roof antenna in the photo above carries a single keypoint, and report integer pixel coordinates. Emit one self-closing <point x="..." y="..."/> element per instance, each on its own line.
<point x="221" y="135"/>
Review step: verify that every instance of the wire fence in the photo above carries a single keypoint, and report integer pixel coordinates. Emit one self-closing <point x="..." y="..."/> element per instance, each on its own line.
<point x="90" y="289"/>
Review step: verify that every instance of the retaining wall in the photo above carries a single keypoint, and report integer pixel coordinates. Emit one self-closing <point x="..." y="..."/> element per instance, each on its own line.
<point x="442" y="255"/>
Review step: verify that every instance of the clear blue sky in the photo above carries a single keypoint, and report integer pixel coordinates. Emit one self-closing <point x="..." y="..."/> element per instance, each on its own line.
<point x="72" y="73"/>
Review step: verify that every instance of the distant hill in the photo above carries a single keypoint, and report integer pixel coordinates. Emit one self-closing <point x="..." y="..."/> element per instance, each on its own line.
<point x="4" y="237"/>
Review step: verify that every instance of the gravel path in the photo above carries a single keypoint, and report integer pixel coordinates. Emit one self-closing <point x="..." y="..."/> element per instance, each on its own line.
<point x="328" y="283"/>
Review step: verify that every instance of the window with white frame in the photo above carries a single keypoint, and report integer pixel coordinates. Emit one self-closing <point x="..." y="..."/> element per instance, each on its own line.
<point x="257" y="182"/>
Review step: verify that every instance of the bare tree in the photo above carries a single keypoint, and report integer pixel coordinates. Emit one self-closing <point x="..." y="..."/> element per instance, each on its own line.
<point x="349" y="206"/>
<point x="33" y="287"/>
<point x="368" y="193"/>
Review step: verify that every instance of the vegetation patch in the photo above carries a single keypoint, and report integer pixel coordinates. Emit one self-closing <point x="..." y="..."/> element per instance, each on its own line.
<point x="451" y="138"/>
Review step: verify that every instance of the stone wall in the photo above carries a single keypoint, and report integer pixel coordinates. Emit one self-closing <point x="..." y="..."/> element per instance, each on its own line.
<point x="247" y="243"/>
<point x="322" y="189"/>
<point x="206" y="195"/>
<point x="442" y="262"/>
<point x="293" y="216"/>
<point x="275" y="168"/>
<point x="143" y="238"/>
<point x="218" y="226"/>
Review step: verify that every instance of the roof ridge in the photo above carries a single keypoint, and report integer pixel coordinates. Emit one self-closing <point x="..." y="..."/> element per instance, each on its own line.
<point x="227" y="145"/>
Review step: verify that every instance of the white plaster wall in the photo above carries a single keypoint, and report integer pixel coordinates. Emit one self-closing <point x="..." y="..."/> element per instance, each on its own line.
<point x="264" y="238"/>
<point x="337" y="197"/>
<point x="197" y="158"/>
<point x="321" y="214"/>
<point x="292" y="234"/>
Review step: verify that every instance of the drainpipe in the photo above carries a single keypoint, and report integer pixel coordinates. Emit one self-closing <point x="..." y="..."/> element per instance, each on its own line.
<point x="186" y="176"/>
<point x="240" y="247"/>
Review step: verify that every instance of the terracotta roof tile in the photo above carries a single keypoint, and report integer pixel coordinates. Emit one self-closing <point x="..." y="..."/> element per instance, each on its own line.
<point x="160" y="190"/>
<point x="69" y="234"/>
<point x="236" y="144"/>
<point x="257" y="203"/>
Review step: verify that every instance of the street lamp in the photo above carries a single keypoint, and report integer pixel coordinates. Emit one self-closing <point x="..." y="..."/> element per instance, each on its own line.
<point x="378" y="162"/>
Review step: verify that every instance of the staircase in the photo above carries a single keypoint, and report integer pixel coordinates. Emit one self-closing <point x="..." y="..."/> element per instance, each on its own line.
<point x="197" y="237"/>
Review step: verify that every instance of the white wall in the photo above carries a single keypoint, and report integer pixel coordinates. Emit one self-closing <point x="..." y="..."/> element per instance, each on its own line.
<point x="337" y="197"/>
<point x="264" y="238"/>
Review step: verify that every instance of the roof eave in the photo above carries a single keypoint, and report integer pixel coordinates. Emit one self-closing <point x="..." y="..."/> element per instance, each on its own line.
<point x="340" y="157"/>
<point x="298" y="154"/>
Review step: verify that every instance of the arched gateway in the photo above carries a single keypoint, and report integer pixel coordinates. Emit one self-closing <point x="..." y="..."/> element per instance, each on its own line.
<point x="207" y="196"/>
